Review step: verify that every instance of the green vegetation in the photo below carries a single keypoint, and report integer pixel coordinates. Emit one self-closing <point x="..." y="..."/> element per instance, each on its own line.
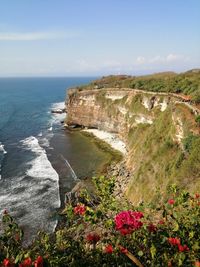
<point x="103" y="231"/>
<point x="159" y="160"/>
<point x="197" y="119"/>
<point x="187" y="83"/>
<point x="157" y="157"/>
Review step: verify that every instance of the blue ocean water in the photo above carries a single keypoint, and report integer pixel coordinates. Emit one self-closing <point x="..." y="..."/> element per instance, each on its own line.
<point x="30" y="165"/>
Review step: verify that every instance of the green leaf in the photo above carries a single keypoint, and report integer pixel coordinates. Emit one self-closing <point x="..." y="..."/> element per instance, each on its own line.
<point x="18" y="258"/>
<point x="196" y="246"/>
<point x="140" y="253"/>
<point x="176" y="227"/>
<point x="153" y="251"/>
<point x="191" y="234"/>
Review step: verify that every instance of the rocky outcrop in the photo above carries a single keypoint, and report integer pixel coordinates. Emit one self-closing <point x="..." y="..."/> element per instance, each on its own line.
<point x="116" y="111"/>
<point x="153" y="126"/>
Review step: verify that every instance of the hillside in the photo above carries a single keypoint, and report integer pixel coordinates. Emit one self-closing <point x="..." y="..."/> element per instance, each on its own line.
<point x="187" y="83"/>
<point x="161" y="132"/>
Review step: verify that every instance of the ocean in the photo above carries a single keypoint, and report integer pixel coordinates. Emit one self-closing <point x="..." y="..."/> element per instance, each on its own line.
<point x="39" y="160"/>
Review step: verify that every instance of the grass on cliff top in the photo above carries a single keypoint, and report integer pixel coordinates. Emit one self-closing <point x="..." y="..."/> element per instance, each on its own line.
<point x="187" y="83"/>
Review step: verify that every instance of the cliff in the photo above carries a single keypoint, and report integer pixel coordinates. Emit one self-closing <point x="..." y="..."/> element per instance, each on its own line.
<point x="160" y="130"/>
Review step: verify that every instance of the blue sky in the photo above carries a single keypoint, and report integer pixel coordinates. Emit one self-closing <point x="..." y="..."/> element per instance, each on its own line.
<point x="98" y="37"/>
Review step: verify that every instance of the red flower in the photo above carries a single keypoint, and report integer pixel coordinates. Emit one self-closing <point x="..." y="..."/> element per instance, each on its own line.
<point x="123" y="250"/>
<point x="174" y="241"/>
<point x="171" y="201"/>
<point x="7" y="263"/>
<point x="109" y="249"/>
<point x="197" y="195"/>
<point x="197" y="264"/>
<point x="38" y="262"/>
<point x="93" y="238"/>
<point x="128" y="221"/>
<point x="183" y="248"/>
<point x="161" y="222"/>
<point x="26" y="263"/>
<point x="152" y="228"/>
<point x="80" y="209"/>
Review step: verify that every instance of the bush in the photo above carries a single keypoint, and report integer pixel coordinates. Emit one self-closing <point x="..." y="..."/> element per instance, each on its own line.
<point x="107" y="232"/>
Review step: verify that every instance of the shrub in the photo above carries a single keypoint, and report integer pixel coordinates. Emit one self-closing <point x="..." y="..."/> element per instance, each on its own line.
<point x="158" y="234"/>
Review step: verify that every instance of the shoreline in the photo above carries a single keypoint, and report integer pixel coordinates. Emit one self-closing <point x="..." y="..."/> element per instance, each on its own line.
<point x="109" y="138"/>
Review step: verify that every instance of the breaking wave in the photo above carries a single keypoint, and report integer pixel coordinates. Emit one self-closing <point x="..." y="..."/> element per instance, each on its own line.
<point x="33" y="197"/>
<point x="56" y="117"/>
<point x="2" y="153"/>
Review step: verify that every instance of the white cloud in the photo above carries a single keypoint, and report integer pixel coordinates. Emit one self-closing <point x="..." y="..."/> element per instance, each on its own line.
<point x="34" y="36"/>
<point x="170" y="58"/>
<point x="140" y="60"/>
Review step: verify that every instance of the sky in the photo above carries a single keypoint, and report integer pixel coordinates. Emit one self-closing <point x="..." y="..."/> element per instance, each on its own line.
<point x="98" y="37"/>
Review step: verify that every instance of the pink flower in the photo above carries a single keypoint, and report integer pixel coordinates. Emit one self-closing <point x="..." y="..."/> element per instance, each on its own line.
<point x="109" y="249"/>
<point x="171" y="201"/>
<point x="128" y="221"/>
<point x="93" y="238"/>
<point x="80" y="209"/>
<point x="38" y="262"/>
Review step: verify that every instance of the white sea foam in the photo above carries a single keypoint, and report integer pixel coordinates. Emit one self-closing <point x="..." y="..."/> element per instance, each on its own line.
<point x="44" y="142"/>
<point x="41" y="166"/>
<point x="33" y="196"/>
<point x="2" y="149"/>
<point x="57" y="117"/>
<point x="2" y="153"/>
<point x="59" y="105"/>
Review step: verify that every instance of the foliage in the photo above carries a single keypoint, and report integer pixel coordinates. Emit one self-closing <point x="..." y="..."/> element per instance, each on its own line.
<point x="158" y="234"/>
<point x="187" y="83"/>
<point x="189" y="141"/>
<point x="197" y="119"/>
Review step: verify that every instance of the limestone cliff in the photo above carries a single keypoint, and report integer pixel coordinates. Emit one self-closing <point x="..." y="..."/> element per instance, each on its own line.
<point x="155" y="127"/>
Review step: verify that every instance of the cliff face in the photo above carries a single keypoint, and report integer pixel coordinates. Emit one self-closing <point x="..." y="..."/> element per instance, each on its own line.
<point x="154" y="127"/>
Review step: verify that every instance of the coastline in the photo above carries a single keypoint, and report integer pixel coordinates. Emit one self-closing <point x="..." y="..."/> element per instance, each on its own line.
<point x="110" y="138"/>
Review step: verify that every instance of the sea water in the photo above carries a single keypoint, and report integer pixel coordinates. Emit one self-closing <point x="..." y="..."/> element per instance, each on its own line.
<point x="39" y="161"/>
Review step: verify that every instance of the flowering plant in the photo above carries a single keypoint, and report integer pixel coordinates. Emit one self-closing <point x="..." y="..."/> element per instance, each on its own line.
<point x="153" y="234"/>
<point x="128" y="221"/>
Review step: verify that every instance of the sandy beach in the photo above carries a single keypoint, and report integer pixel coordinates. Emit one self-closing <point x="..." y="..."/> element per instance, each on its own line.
<point x="110" y="138"/>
